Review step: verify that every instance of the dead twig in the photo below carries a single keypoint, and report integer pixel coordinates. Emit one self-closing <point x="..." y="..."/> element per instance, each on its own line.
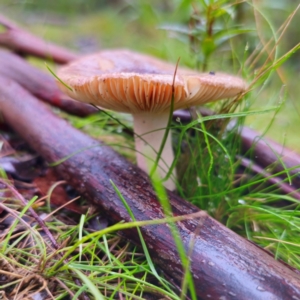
<point x="32" y="212"/>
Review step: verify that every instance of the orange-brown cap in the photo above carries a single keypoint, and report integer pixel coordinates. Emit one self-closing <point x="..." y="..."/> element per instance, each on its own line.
<point x="127" y="81"/>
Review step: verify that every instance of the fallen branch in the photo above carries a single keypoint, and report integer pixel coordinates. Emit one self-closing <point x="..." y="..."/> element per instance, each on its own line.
<point x="40" y="84"/>
<point x="287" y="189"/>
<point x="43" y="86"/>
<point x="223" y="264"/>
<point x="25" y="43"/>
<point x="270" y="154"/>
<point x="264" y="152"/>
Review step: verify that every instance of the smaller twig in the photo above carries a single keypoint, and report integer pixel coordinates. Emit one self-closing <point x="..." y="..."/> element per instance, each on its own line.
<point x="10" y="274"/>
<point x="43" y="226"/>
<point x="61" y="207"/>
<point x="24" y="282"/>
<point x="33" y="213"/>
<point x="49" y="293"/>
<point x="119" y="283"/>
<point x="14" y="214"/>
<point x="64" y="286"/>
<point x="284" y="187"/>
<point x="8" y="24"/>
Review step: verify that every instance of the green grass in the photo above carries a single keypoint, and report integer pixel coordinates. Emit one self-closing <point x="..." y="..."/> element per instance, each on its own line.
<point x="105" y="264"/>
<point x="205" y="155"/>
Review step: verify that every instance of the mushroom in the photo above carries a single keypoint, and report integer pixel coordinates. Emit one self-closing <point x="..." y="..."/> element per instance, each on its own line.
<point x="126" y="81"/>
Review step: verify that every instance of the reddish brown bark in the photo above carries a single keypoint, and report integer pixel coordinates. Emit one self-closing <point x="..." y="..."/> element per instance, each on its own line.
<point x="268" y="153"/>
<point x="223" y="264"/>
<point x="23" y="42"/>
<point x="286" y="188"/>
<point x="41" y="84"/>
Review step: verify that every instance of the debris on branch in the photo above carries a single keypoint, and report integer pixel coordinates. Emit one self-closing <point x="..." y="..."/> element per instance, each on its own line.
<point x="223" y="264"/>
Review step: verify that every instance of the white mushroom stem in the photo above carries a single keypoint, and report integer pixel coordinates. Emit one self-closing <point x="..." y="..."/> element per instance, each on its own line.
<point x="150" y="127"/>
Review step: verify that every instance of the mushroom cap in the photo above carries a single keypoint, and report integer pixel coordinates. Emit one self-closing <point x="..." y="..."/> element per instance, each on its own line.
<point x="126" y="81"/>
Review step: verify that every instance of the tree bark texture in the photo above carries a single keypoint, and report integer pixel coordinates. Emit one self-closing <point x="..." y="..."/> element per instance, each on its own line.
<point x="25" y="43"/>
<point x="40" y="84"/>
<point x="223" y="264"/>
<point x="270" y="154"/>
